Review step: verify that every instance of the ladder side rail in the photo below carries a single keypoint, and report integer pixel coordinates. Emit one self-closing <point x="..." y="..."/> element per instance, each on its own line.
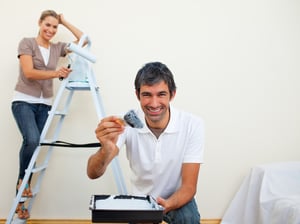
<point x="52" y="112"/>
<point x="28" y="172"/>
<point x="57" y="130"/>
<point x="95" y="93"/>
<point x="40" y="177"/>
<point x="62" y="116"/>
<point x="18" y="197"/>
<point x="119" y="179"/>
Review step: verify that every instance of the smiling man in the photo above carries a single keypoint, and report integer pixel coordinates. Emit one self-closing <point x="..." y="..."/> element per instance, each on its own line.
<point x="165" y="155"/>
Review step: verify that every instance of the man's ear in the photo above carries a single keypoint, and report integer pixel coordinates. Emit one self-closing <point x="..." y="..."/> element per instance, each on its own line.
<point x="173" y="95"/>
<point x="137" y="95"/>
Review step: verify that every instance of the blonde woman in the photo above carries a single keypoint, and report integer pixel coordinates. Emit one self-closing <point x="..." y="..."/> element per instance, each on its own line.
<point x="33" y="93"/>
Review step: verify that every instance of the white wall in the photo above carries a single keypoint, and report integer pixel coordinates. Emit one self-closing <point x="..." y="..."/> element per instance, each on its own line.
<point x="236" y="64"/>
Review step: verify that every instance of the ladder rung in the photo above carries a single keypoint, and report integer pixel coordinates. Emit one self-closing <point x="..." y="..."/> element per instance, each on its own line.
<point x="20" y="221"/>
<point x="40" y="168"/>
<point x="78" y="88"/>
<point x="60" y="113"/>
<point x="48" y="141"/>
<point x="23" y="199"/>
<point x="78" y="85"/>
<point x="34" y="193"/>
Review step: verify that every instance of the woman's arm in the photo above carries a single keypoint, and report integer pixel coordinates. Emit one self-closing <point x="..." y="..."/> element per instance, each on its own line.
<point x="74" y="30"/>
<point x="31" y="73"/>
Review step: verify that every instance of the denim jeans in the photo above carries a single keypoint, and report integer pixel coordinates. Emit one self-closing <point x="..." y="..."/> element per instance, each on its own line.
<point x="30" y="119"/>
<point x="187" y="214"/>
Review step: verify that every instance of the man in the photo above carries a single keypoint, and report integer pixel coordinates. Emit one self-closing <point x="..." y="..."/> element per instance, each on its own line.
<point x="165" y="155"/>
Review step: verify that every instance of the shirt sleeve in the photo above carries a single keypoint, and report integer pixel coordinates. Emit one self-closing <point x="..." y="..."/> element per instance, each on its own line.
<point x="195" y="147"/>
<point x="62" y="46"/>
<point x="25" y="47"/>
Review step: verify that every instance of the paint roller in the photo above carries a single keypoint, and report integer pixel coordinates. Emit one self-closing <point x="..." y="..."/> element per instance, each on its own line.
<point x="81" y="52"/>
<point x="131" y="119"/>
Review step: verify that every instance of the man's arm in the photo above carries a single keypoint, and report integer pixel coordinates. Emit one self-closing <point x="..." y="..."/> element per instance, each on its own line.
<point x="107" y="133"/>
<point x="99" y="161"/>
<point x="187" y="190"/>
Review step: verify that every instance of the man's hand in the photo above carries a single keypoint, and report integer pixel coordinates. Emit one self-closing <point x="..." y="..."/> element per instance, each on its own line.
<point x="107" y="132"/>
<point x="164" y="203"/>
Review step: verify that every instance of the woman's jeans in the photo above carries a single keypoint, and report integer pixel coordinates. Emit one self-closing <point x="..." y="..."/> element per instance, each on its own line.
<point x="30" y="119"/>
<point x="187" y="214"/>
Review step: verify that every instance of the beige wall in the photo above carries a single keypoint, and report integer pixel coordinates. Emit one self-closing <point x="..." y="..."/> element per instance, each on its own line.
<point x="236" y="64"/>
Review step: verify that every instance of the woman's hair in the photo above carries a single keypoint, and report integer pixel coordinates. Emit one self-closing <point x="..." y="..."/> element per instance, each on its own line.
<point x="47" y="13"/>
<point x="153" y="73"/>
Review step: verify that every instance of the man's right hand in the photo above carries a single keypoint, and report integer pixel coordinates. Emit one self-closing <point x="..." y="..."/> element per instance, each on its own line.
<point x="108" y="130"/>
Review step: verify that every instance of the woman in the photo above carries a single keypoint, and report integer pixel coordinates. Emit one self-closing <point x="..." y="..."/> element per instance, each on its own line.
<point x="32" y="99"/>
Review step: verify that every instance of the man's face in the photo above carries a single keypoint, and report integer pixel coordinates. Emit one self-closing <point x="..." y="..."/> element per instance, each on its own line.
<point x="155" y="102"/>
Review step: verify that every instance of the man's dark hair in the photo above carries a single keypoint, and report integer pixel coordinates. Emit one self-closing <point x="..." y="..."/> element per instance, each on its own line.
<point x="153" y="73"/>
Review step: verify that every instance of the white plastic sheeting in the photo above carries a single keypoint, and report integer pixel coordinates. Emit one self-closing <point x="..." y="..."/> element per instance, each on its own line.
<point x="270" y="194"/>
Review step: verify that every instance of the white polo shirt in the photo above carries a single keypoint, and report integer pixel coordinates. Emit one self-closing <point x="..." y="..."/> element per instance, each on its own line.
<point x="156" y="163"/>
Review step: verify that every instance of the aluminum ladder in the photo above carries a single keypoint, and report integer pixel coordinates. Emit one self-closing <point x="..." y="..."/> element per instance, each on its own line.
<point x="39" y="170"/>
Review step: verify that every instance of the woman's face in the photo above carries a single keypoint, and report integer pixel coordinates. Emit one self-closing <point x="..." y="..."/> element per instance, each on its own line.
<point x="48" y="27"/>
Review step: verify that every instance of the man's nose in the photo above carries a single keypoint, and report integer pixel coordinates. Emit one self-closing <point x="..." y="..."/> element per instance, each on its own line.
<point x="155" y="101"/>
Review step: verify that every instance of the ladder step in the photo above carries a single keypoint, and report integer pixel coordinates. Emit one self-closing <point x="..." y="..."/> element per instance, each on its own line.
<point x="60" y="113"/>
<point x="40" y="168"/>
<point x="48" y="141"/>
<point x="78" y="86"/>
<point x="23" y="199"/>
<point x="19" y="221"/>
<point x="34" y="193"/>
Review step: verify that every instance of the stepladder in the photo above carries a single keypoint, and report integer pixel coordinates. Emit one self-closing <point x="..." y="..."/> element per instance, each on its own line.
<point x="82" y="78"/>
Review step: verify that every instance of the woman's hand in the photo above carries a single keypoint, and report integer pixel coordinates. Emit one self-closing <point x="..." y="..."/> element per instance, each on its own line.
<point x="74" y="30"/>
<point x="61" y="19"/>
<point x="63" y="72"/>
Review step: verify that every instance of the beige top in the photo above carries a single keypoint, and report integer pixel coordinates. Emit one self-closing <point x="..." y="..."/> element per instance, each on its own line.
<point x="29" y="46"/>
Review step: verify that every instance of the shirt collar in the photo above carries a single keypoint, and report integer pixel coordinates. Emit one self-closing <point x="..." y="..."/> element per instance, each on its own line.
<point x="172" y="126"/>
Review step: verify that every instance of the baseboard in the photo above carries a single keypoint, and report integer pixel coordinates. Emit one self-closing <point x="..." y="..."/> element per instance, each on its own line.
<point x="210" y="221"/>
<point x="54" y="221"/>
<point x="60" y="221"/>
<point x="75" y="221"/>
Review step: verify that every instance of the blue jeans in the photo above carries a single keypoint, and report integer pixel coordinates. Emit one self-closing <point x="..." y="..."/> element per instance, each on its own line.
<point x="30" y="119"/>
<point x="187" y="214"/>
